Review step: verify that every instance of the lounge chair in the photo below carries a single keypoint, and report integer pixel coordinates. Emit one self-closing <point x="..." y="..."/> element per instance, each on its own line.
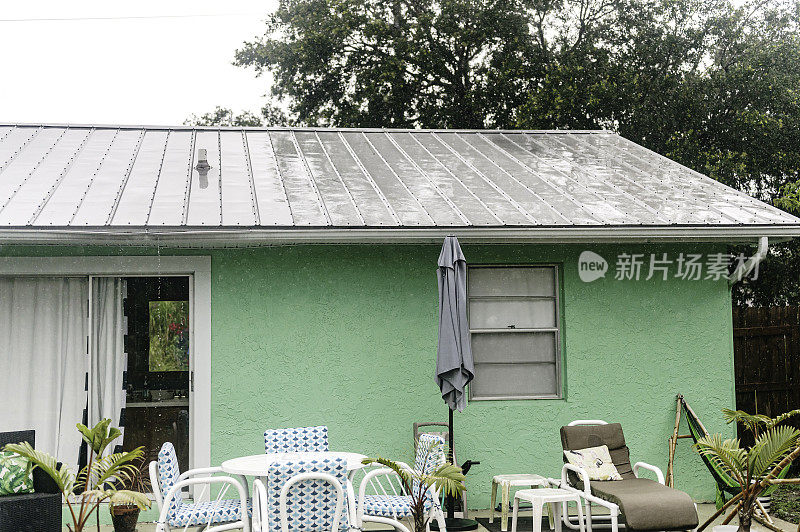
<point x="644" y="504"/>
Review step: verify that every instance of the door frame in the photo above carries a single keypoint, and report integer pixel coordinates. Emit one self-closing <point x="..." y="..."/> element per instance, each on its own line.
<point x="198" y="268"/>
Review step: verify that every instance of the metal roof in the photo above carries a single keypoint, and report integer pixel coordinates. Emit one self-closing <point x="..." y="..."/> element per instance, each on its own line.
<point x="136" y="180"/>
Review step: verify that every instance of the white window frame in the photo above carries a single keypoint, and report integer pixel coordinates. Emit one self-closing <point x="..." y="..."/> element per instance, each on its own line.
<point x="198" y="269"/>
<point x="557" y="330"/>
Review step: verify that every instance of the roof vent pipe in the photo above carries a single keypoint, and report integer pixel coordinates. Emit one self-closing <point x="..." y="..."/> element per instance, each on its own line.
<point x="203" y="167"/>
<point x="745" y="267"/>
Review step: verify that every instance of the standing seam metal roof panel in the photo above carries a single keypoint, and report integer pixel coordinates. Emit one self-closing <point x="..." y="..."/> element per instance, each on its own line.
<point x="61" y="176"/>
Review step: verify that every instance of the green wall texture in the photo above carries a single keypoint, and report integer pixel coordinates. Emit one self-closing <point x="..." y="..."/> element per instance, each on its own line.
<point x="345" y="336"/>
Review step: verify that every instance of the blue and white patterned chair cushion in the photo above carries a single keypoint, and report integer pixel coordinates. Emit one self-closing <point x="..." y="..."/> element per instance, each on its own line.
<point x="168" y="473"/>
<point x="204" y="513"/>
<point x="397" y="506"/>
<point x="310" y="505"/>
<point x="186" y="514"/>
<point x="301" y="439"/>
<point x="429" y="455"/>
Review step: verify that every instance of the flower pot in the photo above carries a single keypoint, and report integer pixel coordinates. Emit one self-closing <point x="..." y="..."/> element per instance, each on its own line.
<point x="725" y="528"/>
<point x="124" y="517"/>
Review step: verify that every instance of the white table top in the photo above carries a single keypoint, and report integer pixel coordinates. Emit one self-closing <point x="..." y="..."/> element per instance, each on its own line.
<point x="521" y="480"/>
<point x="257" y="464"/>
<point x="547" y="495"/>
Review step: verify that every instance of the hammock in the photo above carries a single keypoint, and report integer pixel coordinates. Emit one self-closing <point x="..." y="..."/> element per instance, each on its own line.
<point x="725" y="484"/>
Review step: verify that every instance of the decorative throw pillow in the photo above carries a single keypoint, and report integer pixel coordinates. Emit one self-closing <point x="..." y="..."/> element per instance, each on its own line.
<point x="596" y="461"/>
<point x="16" y="474"/>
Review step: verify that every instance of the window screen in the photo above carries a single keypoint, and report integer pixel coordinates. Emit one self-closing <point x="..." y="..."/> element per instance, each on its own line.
<point x="514" y="324"/>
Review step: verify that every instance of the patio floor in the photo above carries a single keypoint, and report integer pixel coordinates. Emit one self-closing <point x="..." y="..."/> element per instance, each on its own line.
<point x="704" y="510"/>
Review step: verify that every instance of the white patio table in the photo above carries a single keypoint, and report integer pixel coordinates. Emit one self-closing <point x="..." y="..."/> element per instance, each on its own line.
<point x="257" y="465"/>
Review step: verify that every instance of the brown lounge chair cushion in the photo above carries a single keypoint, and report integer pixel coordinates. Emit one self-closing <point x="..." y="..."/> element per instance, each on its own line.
<point x="648" y="505"/>
<point x="644" y="503"/>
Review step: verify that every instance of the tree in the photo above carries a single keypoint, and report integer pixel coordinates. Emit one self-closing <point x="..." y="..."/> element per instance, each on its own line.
<point x="403" y="63"/>
<point x="271" y="115"/>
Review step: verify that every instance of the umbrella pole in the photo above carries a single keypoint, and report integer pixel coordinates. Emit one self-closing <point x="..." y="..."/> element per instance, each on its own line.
<point x="450" y="501"/>
<point x="453" y="523"/>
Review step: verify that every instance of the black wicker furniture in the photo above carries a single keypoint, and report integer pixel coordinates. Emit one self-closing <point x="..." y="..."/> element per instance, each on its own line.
<point x="32" y="512"/>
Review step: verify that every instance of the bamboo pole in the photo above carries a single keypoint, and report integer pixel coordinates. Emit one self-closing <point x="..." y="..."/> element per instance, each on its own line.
<point x="734" y="512"/>
<point x="720" y="512"/>
<point x="767" y="524"/>
<point x="673" y="442"/>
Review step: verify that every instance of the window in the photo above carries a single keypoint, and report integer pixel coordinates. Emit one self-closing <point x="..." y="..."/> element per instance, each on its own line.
<point x="514" y="324"/>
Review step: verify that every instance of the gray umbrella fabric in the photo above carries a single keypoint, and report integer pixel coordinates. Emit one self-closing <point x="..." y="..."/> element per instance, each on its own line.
<point x="454" y="364"/>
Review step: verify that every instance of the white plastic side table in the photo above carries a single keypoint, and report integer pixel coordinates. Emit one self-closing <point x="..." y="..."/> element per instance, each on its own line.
<point x="538" y="498"/>
<point x="506" y="482"/>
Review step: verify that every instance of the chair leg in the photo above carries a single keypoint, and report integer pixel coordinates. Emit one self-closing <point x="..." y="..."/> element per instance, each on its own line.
<point x="588" y="516"/>
<point x="614" y="521"/>
<point x="580" y="514"/>
<point x="515" y="515"/>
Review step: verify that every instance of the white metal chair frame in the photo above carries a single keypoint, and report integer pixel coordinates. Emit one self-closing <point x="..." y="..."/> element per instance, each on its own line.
<point x="586" y="493"/>
<point x="372" y="478"/>
<point x="261" y="503"/>
<point x="204" y="478"/>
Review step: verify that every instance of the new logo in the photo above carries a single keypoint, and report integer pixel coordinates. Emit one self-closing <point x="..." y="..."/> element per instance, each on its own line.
<point x="591" y="266"/>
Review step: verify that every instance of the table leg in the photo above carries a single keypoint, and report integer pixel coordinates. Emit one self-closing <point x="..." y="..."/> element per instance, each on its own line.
<point x="538" y="507"/>
<point x="504" y="509"/>
<point x="492" y="501"/>
<point x="245" y="518"/>
<point x="514" y="515"/>
<point x="555" y="510"/>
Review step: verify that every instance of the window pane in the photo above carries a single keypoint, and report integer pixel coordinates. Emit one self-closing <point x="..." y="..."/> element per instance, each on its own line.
<point x="169" y="335"/>
<point x="514" y="380"/>
<point x="511" y="281"/>
<point x="522" y="314"/>
<point x="514" y="347"/>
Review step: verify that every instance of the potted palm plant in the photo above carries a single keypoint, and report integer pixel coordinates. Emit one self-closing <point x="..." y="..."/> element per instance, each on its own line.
<point x="125" y="515"/>
<point x="755" y="468"/>
<point x="446" y="478"/>
<point x="95" y="483"/>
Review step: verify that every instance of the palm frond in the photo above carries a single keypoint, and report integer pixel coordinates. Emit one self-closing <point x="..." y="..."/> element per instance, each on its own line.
<point x="406" y="475"/>
<point x="447" y="479"/>
<point x="770" y="448"/>
<point x="726" y="454"/>
<point x="754" y="423"/>
<point x="116" y="467"/>
<point x="121" y="497"/>
<point x="62" y="476"/>
<point x="99" y="436"/>
<point x="783" y="417"/>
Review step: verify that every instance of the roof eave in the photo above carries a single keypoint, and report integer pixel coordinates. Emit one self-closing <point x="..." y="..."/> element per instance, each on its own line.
<point x="260" y="236"/>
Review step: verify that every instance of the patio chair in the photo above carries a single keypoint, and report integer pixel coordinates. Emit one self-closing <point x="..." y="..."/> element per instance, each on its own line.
<point x="217" y="515"/>
<point x="421" y="428"/>
<point x="304" y="495"/>
<point x="643" y="503"/>
<point x="388" y="502"/>
<point x="39" y="511"/>
<point x="301" y="439"/>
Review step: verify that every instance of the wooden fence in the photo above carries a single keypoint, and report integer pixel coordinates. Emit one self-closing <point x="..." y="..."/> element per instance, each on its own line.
<point x="767" y="359"/>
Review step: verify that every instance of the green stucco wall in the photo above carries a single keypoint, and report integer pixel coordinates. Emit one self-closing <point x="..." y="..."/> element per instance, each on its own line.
<point x="346" y="336"/>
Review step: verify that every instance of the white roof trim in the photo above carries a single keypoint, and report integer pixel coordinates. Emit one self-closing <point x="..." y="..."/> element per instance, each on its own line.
<point x="245" y="237"/>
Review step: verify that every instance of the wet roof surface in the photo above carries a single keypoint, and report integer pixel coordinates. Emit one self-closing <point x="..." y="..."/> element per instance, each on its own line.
<point x="110" y="176"/>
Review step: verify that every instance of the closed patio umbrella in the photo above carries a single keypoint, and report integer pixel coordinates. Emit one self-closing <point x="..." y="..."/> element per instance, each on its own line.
<point x="454" y="365"/>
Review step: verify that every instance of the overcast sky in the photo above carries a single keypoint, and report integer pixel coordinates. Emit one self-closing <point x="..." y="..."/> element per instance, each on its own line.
<point x="118" y="70"/>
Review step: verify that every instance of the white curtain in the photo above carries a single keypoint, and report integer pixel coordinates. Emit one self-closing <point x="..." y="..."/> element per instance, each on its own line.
<point x="108" y="360"/>
<point x="43" y="361"/>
